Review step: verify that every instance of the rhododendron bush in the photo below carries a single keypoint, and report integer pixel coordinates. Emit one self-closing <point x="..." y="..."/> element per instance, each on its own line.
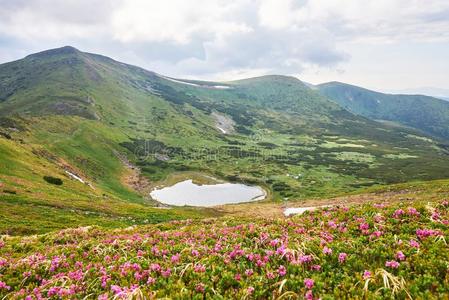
<point x="371" y="251"/>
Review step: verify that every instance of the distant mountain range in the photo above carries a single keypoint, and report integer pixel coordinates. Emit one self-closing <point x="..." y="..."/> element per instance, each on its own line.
<point x="428" y="91"/>
<point x="429" y="114"/>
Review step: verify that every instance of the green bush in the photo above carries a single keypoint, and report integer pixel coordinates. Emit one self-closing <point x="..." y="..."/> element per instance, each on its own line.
<point x="53" y="180"/>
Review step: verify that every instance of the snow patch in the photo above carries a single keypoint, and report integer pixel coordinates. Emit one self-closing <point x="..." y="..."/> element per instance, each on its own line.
<point x="300" y="210"/>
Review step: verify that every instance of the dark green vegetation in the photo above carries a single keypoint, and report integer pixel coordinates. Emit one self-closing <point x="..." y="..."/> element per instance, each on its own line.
<point x="428" y="114"/>
<point x="64" y="113"/>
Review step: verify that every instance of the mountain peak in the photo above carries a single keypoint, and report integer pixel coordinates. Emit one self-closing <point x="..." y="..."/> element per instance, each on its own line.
<point x="66" y="50"/>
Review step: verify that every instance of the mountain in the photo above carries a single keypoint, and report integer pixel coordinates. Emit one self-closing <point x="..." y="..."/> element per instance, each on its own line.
<point x="439" y="93"/>
<point x="84" y="138"/>
<point x="428" y="114"/>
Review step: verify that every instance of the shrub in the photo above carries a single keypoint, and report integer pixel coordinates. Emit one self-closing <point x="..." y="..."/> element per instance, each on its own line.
<point x="53" y="180"/>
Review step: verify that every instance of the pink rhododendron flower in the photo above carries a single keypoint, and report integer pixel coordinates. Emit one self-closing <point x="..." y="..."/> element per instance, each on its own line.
<point x="309" y="283"/>
<point x="309" y="295"/>
<point x="250" y="290"/>
<point x="4" y="286"/>
<point x="392" y="264"/>
<point x="282" y="271"/>
<point x="200" y="288"/>
<point x="342" y="257"/>
<point x="398" y="213"/>
<point x="413" y="211"/>
<point x="414" y="244"/>
<point x="327" y="251"/>
<point x="400" y="255"/>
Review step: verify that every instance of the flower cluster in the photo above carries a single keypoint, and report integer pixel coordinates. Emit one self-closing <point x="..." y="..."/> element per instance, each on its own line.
<point x="370" y="251"/>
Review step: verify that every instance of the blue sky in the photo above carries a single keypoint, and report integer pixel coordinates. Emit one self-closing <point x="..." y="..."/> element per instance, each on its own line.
<point x="385" y="45"/>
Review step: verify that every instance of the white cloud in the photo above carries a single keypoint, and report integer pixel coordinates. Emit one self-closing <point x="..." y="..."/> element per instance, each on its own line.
<point x="220" y="38"/>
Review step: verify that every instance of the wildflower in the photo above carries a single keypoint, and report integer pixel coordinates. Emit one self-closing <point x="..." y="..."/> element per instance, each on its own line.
<point x="423" y="233"/>
<point x="309" y="295"/>
<point x="195" y="252"/>
<point x="392" y="264"/>
<point x="398" y="213"/>
<point x="413" y="211"/>
<point x="400" y="255"/>
<point x="238" y="277"/>
<point x="103" y="297"/>
<point x="175" y="258"/>
<point x="366" y="274"/>
<point x="249" y="272"/>
<point x="305" y="259"/>
<point x="315" y="267"/>
<point x="414" y="244"/>
<point x="270" y="275"/>
<point x="282" y="271"/>
<point x="199" y="268"/>
<point x="166" y="273"/>
<point x="200" y="288"/>
<point x="327" y="251"/>
<point x="308" y="282"/>
<point x="342" y="257"/>
<point x="2" y="244"/>
<point x="4" y="286"/>
<point x="250" y="290"/>
<point x="151" y="280"/>
<point x="364" y="226"/>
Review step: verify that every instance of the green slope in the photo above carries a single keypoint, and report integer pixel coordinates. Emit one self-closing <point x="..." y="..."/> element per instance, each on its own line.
<point x="428" y="114"/>
<point x="84" y="111"/>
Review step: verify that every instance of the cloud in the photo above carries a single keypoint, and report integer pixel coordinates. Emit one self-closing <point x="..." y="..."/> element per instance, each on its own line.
<point x="219" y="38"/>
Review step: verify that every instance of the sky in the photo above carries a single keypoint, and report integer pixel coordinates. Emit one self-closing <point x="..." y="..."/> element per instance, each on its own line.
<point x="387" y="45"/>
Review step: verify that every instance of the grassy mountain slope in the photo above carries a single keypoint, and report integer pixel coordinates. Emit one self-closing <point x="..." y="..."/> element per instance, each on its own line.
<point x="428" y="114"/>
<point x="73" y="111"/>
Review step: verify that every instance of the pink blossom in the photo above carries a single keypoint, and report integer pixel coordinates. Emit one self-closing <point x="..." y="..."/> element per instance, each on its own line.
<point x="366" y="274"/>
<point x="413" y="211"/>
<point x="282" y="271"/>
<point x="364" y="226"/>
<point x="305" y="259"/>
<point x="398" y="212"/>
<point x="166" y="273"/>
<point x="4" y="286"/>
<point x="175" y="258"/>
<point x="309" y="283"/>
<point x="103" y="297"/>
<point x="315" y="267"/>
<point x="342" y="257"/>
<point x="249" y="272"/>
<point x="238" y="277"/>
<point x="199" y="268"/>
<point x="151" y="280"/>
<point x="414" y="244"/>
<point x="250" y="290"/>
<point x="400" y="255"/>
<point x="392" y="264"/>
<point x="270" y="275"/>
<point x="309" y="295"/>
<point x="200" y="288"/>
<point x="327" y="251"/>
